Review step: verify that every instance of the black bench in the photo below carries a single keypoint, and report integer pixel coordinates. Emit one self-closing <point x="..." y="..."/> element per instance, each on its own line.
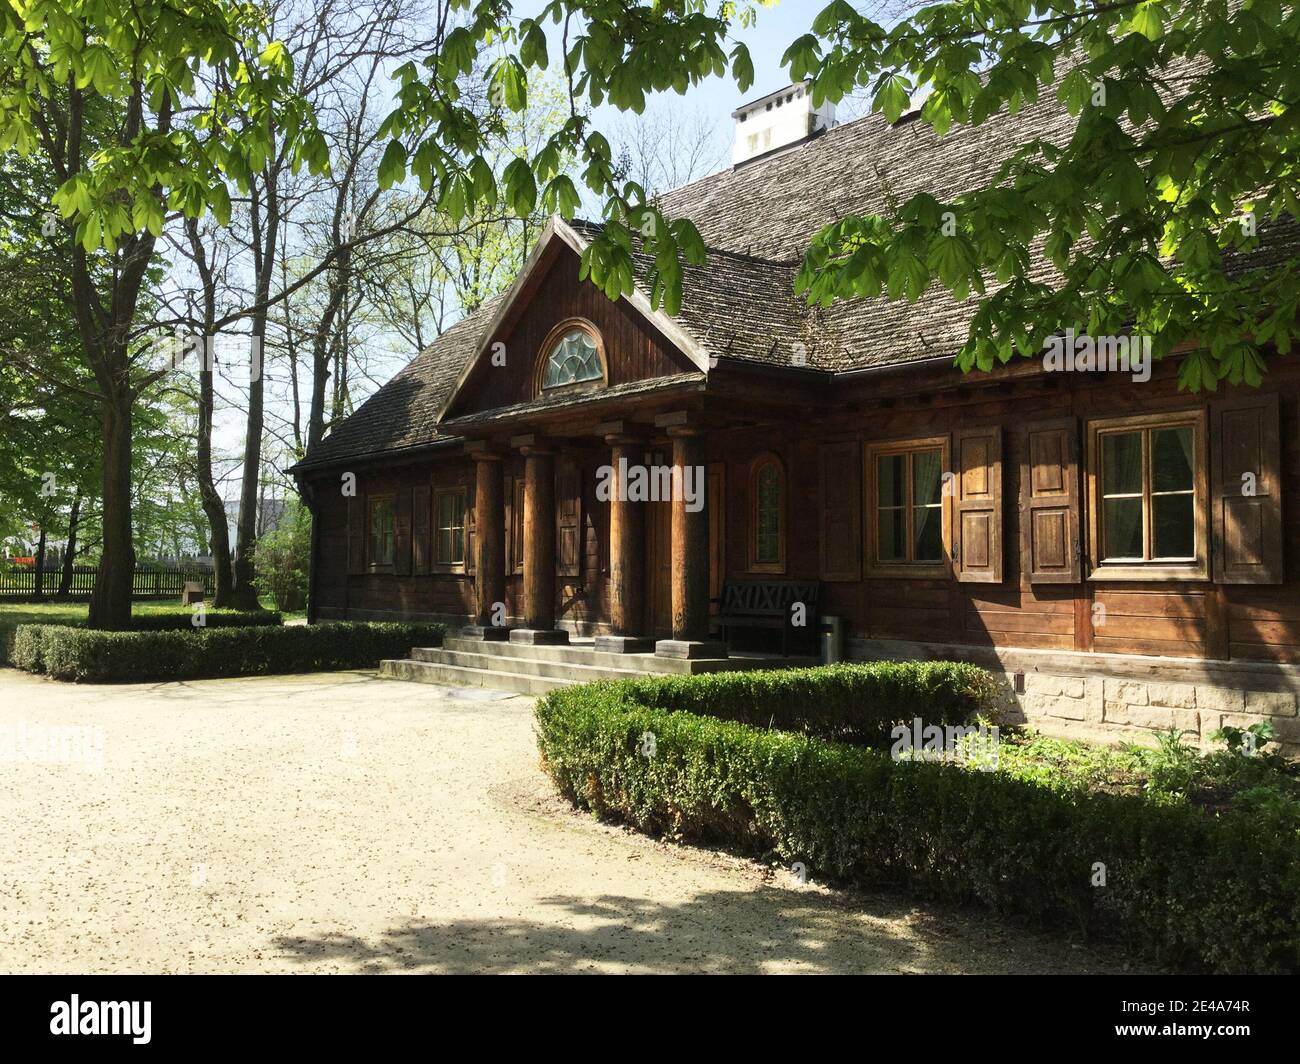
<point x="770" y="604"/>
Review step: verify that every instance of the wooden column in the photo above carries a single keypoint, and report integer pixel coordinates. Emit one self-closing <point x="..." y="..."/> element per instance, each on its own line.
<point x="539" y="544"/>
<point x="626" y="552"/>
<point x="690" y="591"/>
<point x="489" y="540"/>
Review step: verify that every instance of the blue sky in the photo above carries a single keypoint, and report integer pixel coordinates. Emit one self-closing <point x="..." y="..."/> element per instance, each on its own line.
<point x="774" y="30"/>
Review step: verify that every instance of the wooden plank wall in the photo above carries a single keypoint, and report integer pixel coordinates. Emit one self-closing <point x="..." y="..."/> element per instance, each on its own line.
<point x="1193" y="619"/>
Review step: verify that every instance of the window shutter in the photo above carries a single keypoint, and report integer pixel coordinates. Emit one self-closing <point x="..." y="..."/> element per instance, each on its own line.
<point x="402" y="533"/>
<point x="1049" y="503"/>
<point x="977" y="504"/>
<point x="357" y="534"/>
<point x="1247" y="528"/>
<point x="568" y="519"/>
<point x="841" y="509"/>
<point x="421" y="535"/>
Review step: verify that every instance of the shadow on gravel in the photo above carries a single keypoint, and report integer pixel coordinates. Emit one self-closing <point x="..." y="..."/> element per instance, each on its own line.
<point x="728" y="931"/>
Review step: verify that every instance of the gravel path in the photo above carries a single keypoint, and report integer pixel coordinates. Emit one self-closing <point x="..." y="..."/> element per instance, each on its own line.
<point x="342" y="823"/>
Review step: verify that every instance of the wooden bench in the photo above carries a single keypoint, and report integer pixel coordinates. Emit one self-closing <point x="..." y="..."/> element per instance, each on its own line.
<point x="767" y="604"/>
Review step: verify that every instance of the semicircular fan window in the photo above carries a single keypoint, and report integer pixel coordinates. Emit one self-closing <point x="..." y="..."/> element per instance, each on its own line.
<point x="573" y="360"/>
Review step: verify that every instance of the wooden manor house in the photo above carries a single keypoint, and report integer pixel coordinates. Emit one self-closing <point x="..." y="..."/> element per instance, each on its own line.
<point x="597" y="488"/>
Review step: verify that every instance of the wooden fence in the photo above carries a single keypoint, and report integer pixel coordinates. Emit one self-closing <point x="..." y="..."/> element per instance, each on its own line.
<point x="20" y="582"/>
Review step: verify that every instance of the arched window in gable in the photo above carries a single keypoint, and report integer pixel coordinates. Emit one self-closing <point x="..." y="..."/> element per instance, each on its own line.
<point x="573" y="356"/>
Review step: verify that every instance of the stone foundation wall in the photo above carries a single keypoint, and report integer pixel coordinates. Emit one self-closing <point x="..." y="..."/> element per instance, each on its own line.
<point x="1129" y="709"/>
<point x="1115" y="698"/>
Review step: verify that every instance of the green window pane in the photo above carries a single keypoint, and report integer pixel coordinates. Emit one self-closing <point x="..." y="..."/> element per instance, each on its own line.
<point x="891" y="487"/>
<point x="1171" y="459"/>
<point x="1174" y="526"/>
<point x="927" y="477"/>
<point x="1122" y="529"/>
<point x="1121" y="464"/>
<point x="893" y="535"/>
<point x="767" y="516"/>
<point x="927" y="528"/>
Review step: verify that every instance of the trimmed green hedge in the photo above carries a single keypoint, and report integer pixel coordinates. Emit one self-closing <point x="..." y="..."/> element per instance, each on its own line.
<point x="852" y="703"/>
<point x="85" y="655"/>
<point x="1217" y="892"/>
<point x="182" y="621"/>
<point x="175" y="620"/>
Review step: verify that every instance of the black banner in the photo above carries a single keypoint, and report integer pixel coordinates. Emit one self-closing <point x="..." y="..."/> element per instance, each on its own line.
<point x="142" y="1014"/>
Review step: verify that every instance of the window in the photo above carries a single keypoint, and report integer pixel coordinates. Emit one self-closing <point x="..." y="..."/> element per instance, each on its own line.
<point x="767" y="515"/>
<point x="573" y="356"/>
<point x="1147" y="476"/>
<point x="381" y="530"/>
<point x="516" y="563"/>
<point x="449" y="545"/>
<point x="906" y="503"/>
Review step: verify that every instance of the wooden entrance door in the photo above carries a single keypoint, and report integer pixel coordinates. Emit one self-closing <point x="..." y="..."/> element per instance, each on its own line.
<point x="659" y="553"/>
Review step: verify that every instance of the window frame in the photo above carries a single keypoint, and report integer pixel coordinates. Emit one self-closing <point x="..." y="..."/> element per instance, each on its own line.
<point x="1198" y="567"/>
<point x="924" y="570"/>
<point x="450" y="566"/>
<point x="757" y="463"/>
<point x="548" y="345"/>
<point x="372" y="501"/>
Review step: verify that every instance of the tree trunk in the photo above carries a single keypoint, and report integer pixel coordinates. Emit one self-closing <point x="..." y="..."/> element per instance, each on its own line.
<point x="110" y="602"/>
<point x="40" y="563"/>
<point x="213" y="507"/>
<point x="244" y="594"/>
<point x="70" y="554"/>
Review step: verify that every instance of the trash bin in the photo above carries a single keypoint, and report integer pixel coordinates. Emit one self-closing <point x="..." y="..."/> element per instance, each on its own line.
<point x="832" y="639"/>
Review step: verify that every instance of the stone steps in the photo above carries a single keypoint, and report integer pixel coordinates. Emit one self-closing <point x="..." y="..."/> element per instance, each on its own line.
<point x="534" y="669"/>
<point x="460" y="676"/>
<point x="572" y="671"/>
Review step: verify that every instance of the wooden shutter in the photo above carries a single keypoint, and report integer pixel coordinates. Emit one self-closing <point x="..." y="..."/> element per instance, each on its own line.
<point x="1247" y="529"/>
<point x="841" y="511"/>
<point x="421" y="534"/>
<point x="357" y="534"/>
<point x="1049" y="503"/>
<point x="977" y="505"/>
<point x="568" y="519"/>
<point x="402" y="533"/>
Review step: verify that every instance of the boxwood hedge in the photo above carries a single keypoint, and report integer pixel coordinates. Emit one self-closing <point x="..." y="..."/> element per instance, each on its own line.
<point x="86" y="655"/>
<point x="1192" y="889"/>
<point x="853" y="703"/>
<point x="182" y="620"/>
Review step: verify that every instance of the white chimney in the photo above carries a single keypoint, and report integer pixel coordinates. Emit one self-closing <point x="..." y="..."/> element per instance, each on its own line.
<point x="777" y="121"/>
